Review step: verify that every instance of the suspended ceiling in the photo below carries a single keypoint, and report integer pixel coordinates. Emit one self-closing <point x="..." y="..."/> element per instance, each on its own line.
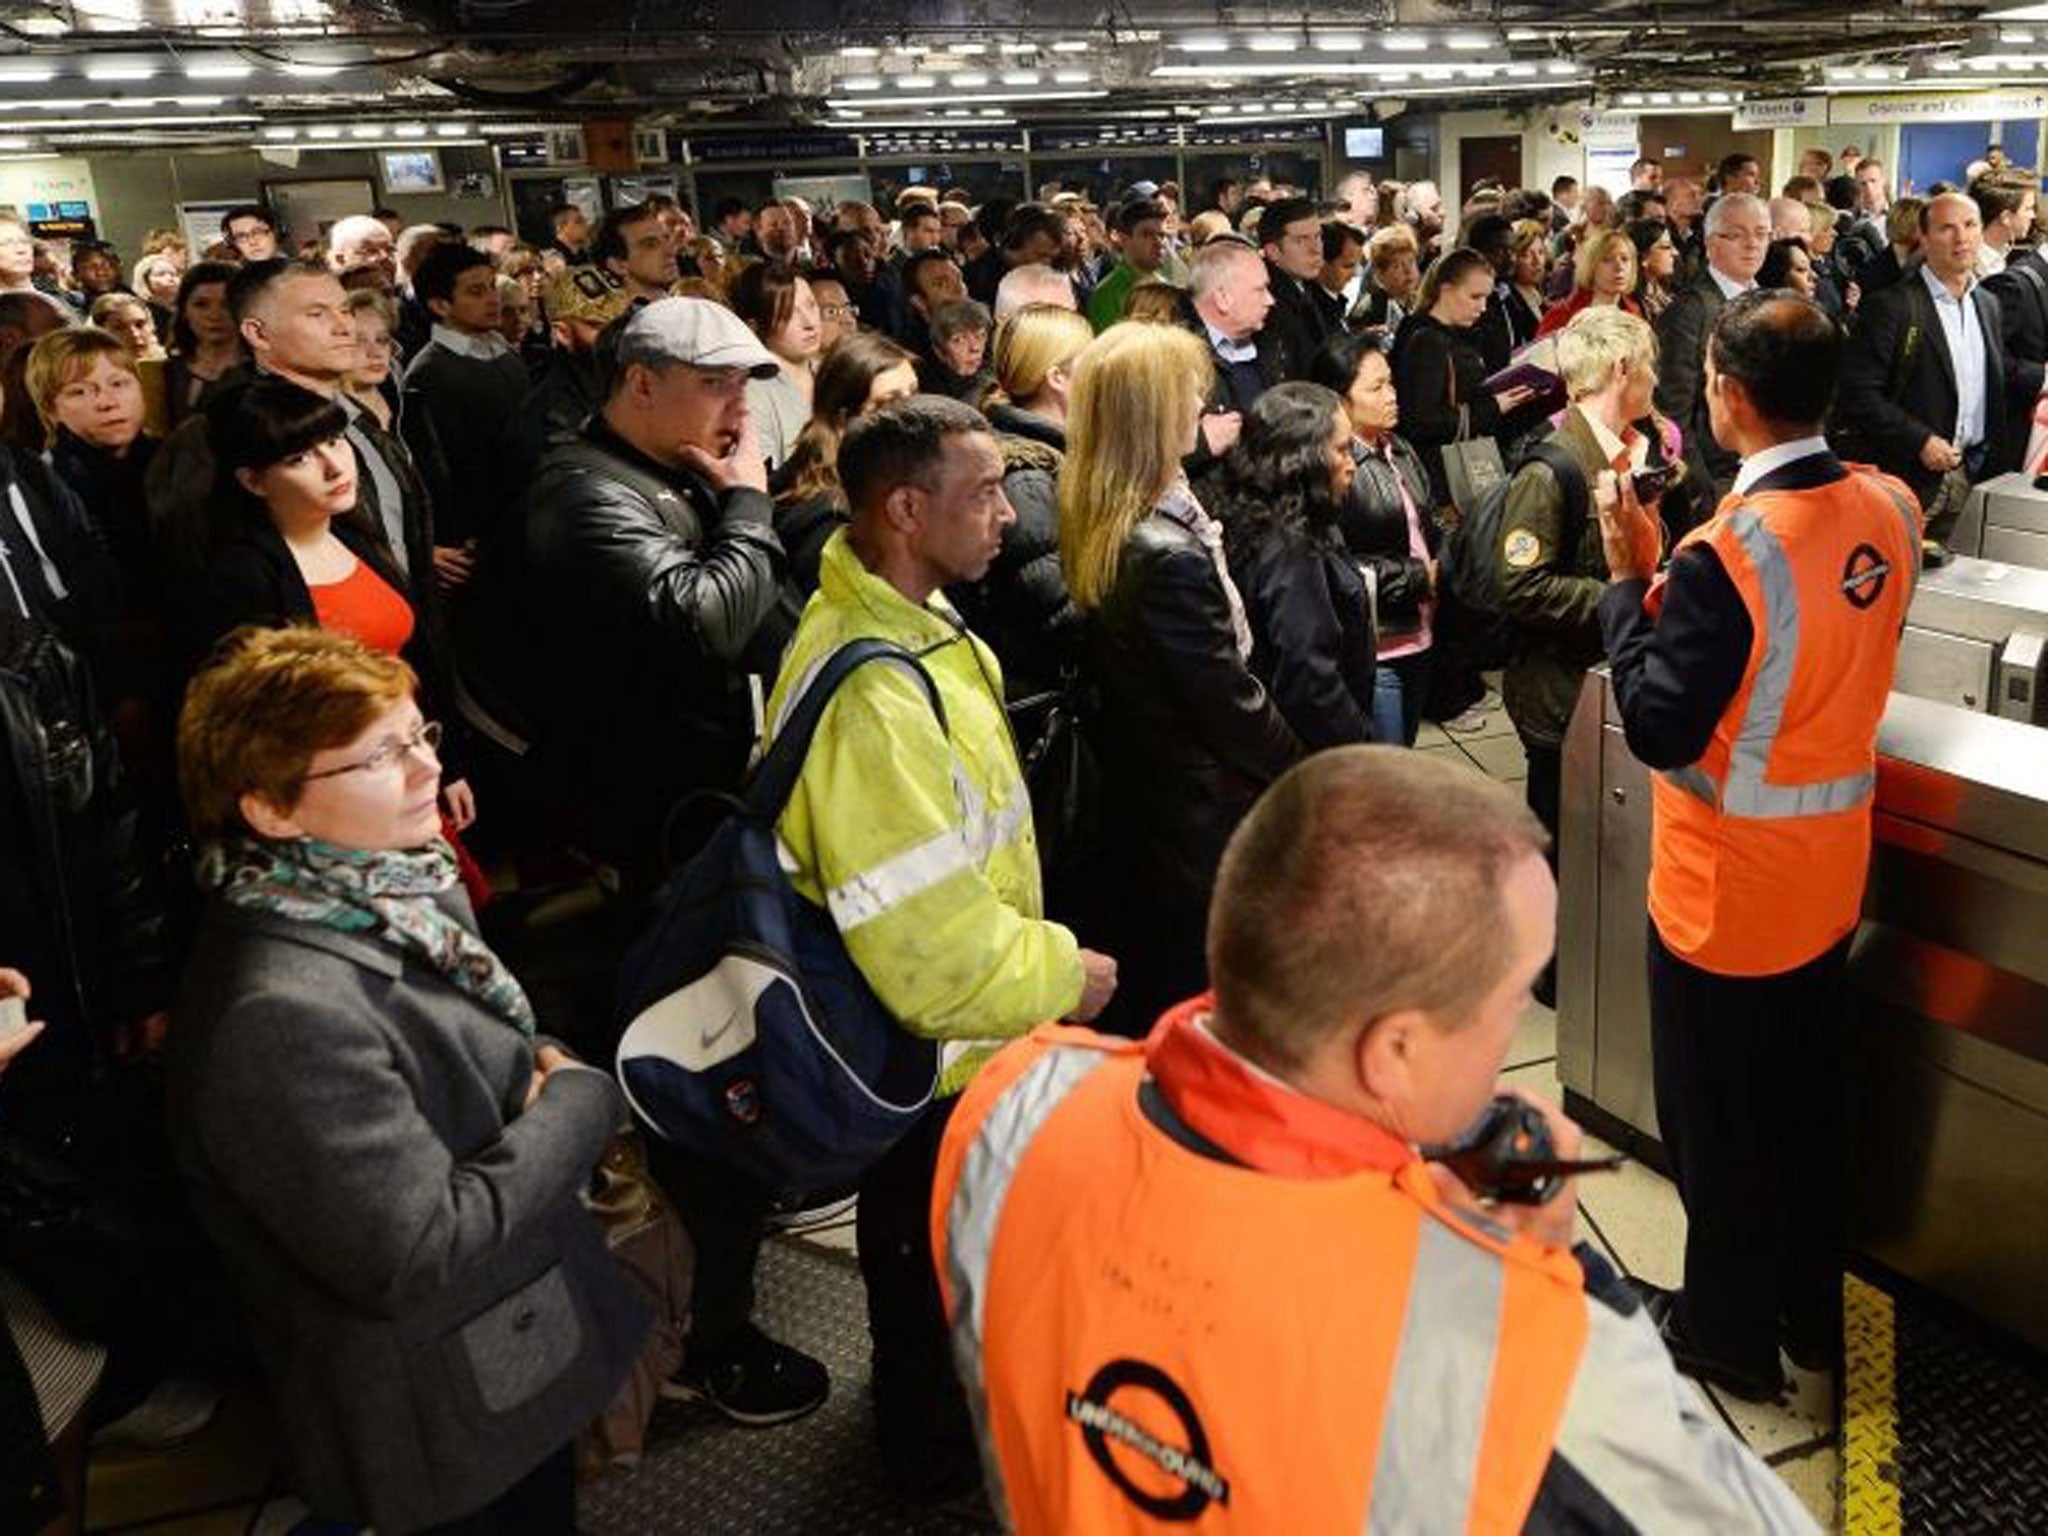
<point x="107" y="73"/>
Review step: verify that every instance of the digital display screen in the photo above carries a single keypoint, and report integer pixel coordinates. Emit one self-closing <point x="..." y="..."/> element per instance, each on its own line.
<point x="1365" y="143"/>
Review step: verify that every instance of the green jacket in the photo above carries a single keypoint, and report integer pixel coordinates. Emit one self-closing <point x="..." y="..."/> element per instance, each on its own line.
<point x="918" y="839"/>
<point x="1551" y="591"/>
<point x="1112" y="295"/>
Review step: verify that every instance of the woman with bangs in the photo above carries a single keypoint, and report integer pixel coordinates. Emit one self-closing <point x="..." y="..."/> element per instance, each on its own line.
<point x="1186" y="734"/>
<point x="285" y="543"/>
<point x="779" y="307"/>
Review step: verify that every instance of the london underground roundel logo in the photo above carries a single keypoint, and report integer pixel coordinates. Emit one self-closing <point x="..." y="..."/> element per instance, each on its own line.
<point x="1864" y="575"/>
<point x="1104" y="1411"/>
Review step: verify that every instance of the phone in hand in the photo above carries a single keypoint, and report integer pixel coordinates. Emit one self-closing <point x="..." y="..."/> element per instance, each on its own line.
<point x="1649" y="484"/>
<point x="13" y="1016"/>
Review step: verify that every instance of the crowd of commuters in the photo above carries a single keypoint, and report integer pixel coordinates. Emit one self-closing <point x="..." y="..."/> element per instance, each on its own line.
<point x="350" y="589"/>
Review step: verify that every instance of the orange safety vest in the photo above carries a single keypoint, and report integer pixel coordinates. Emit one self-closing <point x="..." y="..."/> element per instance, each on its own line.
<point x="1153" y="1336"/>
<point x="1760" y="849"/>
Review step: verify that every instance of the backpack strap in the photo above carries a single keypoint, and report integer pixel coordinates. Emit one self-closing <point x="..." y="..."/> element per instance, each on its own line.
<point x="1571" y="479"/>
<point x="2027" y="271"/>
<point x="775" y="776"/>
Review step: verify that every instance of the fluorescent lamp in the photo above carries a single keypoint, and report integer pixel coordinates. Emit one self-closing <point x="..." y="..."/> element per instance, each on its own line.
<point x="1072" y="45"/>
<point x="119" y="71"/>
<point x="968" y="79"/>
<point x="1205" y="44"/>
<point x="1271" y="43"/>
<point x="970" y="50"/>
<point x="1338" y="42"/>
<point x="858" y="51"/>
<point x="1560" y="67"/>
<point x="1524" y="35"/>
<point x="1403" y="42"/>
<point x="947" y="101"/>
<point x="861" y="83"/>
<point x="9" y="145"/>
<point x="452" y="130"/>
<point x="218" y="69"/>
<point x="280" y="133"/>
<point x="410" y="131"/>
<point x="368" y="131"/>
<point x="1467" y="42"/>
<point x="916" y="82"/>
<point x="1021" y="77"/>
<point x="27" y="74"/>
<point x="1072" y="77"/>
<point x="312" y="71"/>
<point x="1020" y="47"/>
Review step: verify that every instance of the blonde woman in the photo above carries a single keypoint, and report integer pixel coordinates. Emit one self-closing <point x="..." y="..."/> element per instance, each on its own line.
<point x="1020" y="607"/>
<point x="1187" y="737"/>
<point x="127" y="317"/>
<point x="1603" y="276"/>
<point x="369" y="382"/>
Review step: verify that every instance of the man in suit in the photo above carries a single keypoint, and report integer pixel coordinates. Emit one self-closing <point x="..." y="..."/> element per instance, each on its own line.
<point x="1924" y="387"/>
<point x="1291" y="239"/>
<point x="2022" y="294"/>
<point x="1738" y="235"/>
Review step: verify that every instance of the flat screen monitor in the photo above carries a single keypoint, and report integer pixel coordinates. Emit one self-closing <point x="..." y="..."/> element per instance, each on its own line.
<point x="1365" y="143"/>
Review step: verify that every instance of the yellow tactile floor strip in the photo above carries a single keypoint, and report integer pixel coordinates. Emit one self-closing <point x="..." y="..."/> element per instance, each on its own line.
<point x="1870" y="1414"/>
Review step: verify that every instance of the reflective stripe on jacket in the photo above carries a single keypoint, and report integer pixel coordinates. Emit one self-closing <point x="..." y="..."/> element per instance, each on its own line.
<point x="919" y="840"/>
<point x="1761" y="848"/>
<point x="1151" y="1334"/>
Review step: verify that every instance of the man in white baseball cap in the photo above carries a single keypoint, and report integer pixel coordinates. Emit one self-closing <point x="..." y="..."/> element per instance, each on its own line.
<point x="636" y="607"/>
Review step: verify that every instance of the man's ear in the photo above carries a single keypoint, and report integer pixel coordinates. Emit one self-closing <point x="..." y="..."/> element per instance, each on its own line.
<point x="265" y="819"/>
<point x="904" y="507"/>
<point x="439" y="308"/>
<point x="1386" y="1056"/>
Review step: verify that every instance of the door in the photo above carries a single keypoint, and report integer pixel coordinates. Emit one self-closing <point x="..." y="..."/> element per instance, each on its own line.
<point x="1495" y="157"/>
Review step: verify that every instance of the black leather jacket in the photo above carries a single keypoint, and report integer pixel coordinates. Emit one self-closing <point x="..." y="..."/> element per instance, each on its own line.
<point x="79" y="911"/>
<point x="1374" y="524"/>
<point x="1021" y="607"/>
<point x="632" y="601"/>
<point x="1188" y="739"/>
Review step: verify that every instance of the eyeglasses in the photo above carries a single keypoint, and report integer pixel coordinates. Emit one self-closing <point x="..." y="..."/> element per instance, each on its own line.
<point x="425" y="738"/>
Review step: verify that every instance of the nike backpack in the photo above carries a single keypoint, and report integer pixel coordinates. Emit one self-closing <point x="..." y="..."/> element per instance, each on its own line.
<point x="752" y="1040"/>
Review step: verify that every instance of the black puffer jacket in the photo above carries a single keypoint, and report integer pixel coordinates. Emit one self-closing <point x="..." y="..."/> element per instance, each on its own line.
<point x="1374" y="523"/>
<point x="1021" y="607"/>
<point x="632" y="603"/>
<point x="1188" y="738"/>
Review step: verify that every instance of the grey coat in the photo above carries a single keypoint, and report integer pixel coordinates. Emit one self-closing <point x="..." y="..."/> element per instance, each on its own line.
<point x="434" y="1310"/>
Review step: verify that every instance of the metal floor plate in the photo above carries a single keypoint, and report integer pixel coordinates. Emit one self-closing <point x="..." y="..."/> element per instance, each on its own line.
<point x="1945" y="1425"/>
<point x="710" y="1478"/>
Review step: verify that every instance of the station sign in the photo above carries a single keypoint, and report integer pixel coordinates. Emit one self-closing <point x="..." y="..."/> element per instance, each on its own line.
<point x="1781" y="112"/>
<point x="1938" y="107"/>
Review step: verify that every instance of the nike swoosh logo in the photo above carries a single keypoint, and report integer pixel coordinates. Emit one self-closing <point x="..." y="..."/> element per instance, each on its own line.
<point x="713" y="1036"/>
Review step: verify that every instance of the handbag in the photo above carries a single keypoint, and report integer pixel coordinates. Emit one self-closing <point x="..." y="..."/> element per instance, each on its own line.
<point x="653" y="1252"/>
<point x="1471" y="464"/>
<point x="1065" y="784"/>
<point x="752" y="1039"/>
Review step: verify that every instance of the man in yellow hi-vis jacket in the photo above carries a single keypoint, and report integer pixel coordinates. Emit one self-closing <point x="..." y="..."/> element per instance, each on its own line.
<point x="917" y="838"/>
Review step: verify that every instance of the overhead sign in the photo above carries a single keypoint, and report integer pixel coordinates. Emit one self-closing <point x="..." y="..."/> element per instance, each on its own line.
<point x="1785" y="112"/>
<point x="26" y="185"/>
<point x="1610" y="128"/>
<point x="1938" y="107"/>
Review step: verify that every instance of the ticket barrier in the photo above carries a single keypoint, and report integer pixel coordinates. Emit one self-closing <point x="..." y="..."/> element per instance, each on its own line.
<point x="1948" y="971"/>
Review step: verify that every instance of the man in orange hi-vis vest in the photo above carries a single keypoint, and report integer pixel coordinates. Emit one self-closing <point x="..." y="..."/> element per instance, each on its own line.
<point x="1752" y="677"/>
<point x="1207" y="1282"/>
